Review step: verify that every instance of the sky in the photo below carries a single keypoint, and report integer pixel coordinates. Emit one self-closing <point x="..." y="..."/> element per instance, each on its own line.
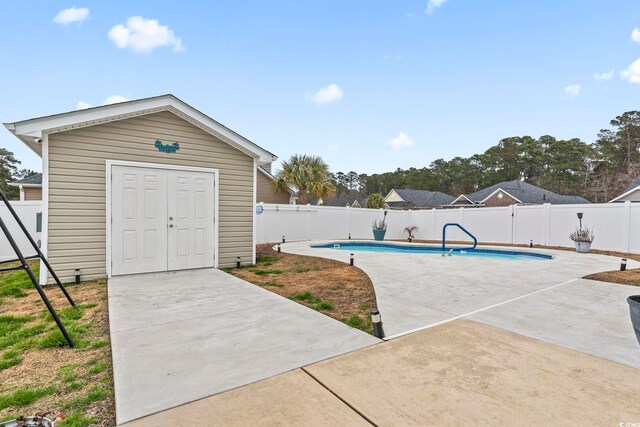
<point x="370" y="86"/>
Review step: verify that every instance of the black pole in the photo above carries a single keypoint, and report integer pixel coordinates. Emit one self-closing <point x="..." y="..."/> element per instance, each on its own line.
<point x="351" y="260"/>
<point x="35" y="246"/>
<point x="376" y="321"/>
<point x="25" y="265"/>
<point x="623" y="264"/>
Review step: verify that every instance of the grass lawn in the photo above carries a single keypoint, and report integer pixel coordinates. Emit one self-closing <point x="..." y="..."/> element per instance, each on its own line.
<point x="39" y="375"/>
<point x="333" y="288"/>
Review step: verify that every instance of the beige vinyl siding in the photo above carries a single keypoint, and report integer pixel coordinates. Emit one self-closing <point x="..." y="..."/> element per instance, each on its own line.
<point x="264" y="191"/>
<point x="77" y="186"/>
<point x="32" y="193"/>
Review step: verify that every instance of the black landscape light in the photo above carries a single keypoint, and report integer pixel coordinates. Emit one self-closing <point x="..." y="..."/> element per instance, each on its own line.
<point x="77" y="276"/>
<point x="238" y="262"/>
<point x="349" y="236"/>
<point x="376" y="321"/>
<point x="580" y="219"/>
<point x="283" y="239"/>
<point x="623" y="264"/>
<point x="351" y="260"/>
<point x="278" y="247"/>
<point x="530" y="243"/>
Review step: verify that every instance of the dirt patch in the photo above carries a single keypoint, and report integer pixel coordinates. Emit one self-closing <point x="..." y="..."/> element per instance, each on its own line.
<point x="348" y="290"/>
<point x="77" y="382"/>
<point x="627" y="277"/>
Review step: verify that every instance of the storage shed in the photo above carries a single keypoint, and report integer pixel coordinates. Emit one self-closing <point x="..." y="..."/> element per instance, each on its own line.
<point x="143" y="186"/>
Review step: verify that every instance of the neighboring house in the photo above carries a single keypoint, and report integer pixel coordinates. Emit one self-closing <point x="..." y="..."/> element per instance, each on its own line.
<point x="265" y="193"/>
<point x="416" y="199"/>
<point x="30" y="187"/>
<point x="340" y="202"/>
<point x="514" y="192"/>
<point x="631" y="193"/>
<point x="143" y="186"/>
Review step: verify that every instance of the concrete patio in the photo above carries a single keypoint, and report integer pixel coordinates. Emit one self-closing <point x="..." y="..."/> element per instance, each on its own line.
<point x="543" y="299"/>
<point x="178" y="337"/>
<point x="459" y="373"/>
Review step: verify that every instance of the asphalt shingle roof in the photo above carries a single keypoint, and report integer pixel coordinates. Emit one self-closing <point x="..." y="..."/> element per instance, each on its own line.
<point x="527" y="193"/>
<point x="421" y="199"/>
<point x="33" y="179"/>
<point x="633" y="184"/>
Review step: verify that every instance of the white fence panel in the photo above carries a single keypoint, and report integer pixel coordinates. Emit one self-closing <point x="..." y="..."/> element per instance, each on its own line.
<point x="27" y="212"/>
<point x="488" y="224"/>
<point x="529" y="224"/>
<point x="609" y="221"/>
<point x="617" y="225"/>
<point x="634" y="228"/>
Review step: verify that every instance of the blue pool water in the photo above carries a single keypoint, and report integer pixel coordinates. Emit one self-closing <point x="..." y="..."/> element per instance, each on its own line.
<point x="427" y="249"/>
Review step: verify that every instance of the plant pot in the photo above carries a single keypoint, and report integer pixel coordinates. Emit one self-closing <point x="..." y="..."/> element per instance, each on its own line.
<point x="583" y="247"/>
<point x="379" y="234"/>
<point x="634" y="311"/>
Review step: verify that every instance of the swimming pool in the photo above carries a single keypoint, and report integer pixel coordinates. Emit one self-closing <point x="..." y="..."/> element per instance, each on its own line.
<point x="430" y="249"/>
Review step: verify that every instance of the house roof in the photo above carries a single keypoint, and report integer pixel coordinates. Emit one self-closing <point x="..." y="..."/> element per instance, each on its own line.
<point x="33" y="180"/>
<point x="420" y="198"/>
<point x="525" y="193"/>
<point x="29" y="131"/>
<point x="633" y="185"/>
<point x="338" y="201"/>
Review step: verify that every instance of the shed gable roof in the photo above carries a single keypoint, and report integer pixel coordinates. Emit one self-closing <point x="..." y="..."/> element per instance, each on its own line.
<point x="29" y="130"/>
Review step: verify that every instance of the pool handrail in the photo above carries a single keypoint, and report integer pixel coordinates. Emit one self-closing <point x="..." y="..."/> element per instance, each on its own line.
<point x="455" y="224"/>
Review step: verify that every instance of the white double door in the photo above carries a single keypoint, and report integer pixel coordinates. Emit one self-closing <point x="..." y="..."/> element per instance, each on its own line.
<point x="161" y="219"/>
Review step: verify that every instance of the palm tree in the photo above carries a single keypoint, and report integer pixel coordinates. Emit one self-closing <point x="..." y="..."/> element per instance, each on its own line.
<point x="309" y="175"/>
<point x="375" y="201"/>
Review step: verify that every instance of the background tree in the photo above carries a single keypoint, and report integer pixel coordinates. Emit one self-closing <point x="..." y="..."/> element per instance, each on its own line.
<point x="308" y="175"/>
<point x="8" y="172"/>
<point x="375" y="201"/>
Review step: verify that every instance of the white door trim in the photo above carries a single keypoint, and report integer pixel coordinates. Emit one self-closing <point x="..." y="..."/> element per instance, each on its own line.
<point x="216" y="197"/>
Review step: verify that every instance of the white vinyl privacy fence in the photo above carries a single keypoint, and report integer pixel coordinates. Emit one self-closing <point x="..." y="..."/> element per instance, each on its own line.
<point x="31" y="215"/>
<point x="616" y="225"/>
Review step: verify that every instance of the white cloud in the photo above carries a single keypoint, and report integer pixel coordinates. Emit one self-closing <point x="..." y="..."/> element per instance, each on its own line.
<point x="604" y="76"/>
<point x="433" y="5"/>
<point x="392" y="57"/>
<point x="326" y="95"/>
<point x="114" y="99"/>
<point x="81" y="105"/>
<point x="632" y="73"/>
<point x="572" y="90"/>
<point x="635" y="35"/>
<point x="73" y="14"/>
<point x="143" y="35"/>
<point x="401" y="141"/>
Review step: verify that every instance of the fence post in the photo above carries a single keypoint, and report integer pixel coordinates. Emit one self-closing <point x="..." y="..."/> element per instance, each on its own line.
<point x="309" y="220"/>
<point x="514" y="209"/>
<point x="626" y="226"/>
<point x="547" y="223"/>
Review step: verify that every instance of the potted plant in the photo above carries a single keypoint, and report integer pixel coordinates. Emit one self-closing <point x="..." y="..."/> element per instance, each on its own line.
<point x="583" y="237"/>
<point x="634" y="311"/>
<point x="410" y="230"/>
<point x="380" y="227"/>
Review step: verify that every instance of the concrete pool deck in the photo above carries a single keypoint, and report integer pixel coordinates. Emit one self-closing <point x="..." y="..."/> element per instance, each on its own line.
<point x="544" y="299"/>
<point x="459" y="373"/>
